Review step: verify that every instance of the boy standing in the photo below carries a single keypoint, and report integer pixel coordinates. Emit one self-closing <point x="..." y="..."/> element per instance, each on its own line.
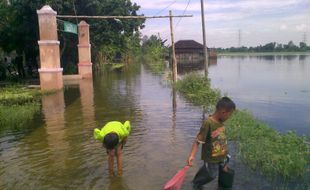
<point x="113" y="136"/>
<point x="214" y="143"/>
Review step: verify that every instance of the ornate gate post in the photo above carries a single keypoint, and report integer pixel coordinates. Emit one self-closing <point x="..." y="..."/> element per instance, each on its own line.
<point x="50" y="71"/>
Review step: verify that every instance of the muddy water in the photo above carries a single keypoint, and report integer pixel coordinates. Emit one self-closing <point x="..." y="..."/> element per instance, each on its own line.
<point x="275" y="88"/>
<point x="59" y="151"/>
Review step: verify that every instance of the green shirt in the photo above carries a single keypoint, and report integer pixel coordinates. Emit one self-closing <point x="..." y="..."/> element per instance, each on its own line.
<point x="215" y="148"/>
<point x="122" y="130"/>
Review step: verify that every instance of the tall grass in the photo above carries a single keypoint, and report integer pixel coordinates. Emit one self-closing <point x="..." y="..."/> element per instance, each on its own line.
<point x="18" y="95"/>
<point x="15" y="117"/>
<point x="18" y="106"/>
<point x="261" y="147"/>
<point x="197" y="89"/>
<point x="264" y="149"/>
<point x="156" y="66"/>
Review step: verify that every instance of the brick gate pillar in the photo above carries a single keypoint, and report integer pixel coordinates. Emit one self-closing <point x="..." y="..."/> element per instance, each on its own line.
<point x="85" y="64"/>
<point x="50" y="71"/>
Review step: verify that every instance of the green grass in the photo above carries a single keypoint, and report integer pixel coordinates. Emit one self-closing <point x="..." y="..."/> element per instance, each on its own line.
<point x="18" y="95"/>
<point x="261" y="147"/>
<point x="197" y="90"/>
<point x="264" y="149"/>
<point x="15" y="117"/>
<point x="156" y="66"/>
<point x="261" y="53"/>
<point x="117" y="66"/>
<point x="18" y="106"/>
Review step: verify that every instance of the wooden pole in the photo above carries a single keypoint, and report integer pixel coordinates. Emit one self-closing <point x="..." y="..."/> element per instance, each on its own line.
<point x="121" y="17"/>
<point x="205" y="51"/>
<point x="174" y="61"/>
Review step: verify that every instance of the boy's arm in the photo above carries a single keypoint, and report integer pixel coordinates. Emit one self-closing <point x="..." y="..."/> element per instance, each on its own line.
<point x="124" y="141"/>
<point x="198" y="140"/>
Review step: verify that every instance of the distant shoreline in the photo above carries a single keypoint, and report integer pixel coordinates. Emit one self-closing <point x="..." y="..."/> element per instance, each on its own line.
<point x="261" y="53"/>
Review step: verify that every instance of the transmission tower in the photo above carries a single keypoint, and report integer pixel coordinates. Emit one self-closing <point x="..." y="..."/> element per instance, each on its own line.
<point x="239" y="38"/>
<point x="304" y="38"/>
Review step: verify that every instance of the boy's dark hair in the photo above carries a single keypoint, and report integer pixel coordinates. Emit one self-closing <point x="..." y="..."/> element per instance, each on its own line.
<point x="110" y="141"/>
<point x="225" y="103"/>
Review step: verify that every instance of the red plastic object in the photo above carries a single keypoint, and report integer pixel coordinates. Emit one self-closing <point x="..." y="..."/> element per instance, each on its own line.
<point x="176" y="182"/>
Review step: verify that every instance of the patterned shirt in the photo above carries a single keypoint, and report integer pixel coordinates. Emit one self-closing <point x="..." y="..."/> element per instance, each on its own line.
<point x="215" y="149"/>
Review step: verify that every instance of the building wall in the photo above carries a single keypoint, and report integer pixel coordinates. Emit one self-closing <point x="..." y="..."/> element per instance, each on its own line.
<point x="189" y="58"/>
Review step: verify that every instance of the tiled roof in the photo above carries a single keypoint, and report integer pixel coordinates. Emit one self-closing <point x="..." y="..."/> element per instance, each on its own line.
<point x="188" y="44"/>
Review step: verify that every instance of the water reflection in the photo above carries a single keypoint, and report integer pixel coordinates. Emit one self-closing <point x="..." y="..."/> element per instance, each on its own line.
<point x="189" y="67"/>
<point x="267" y="57"/>
<point x="271" y="87"/>
<point x="118" y="183"/>
<point x="212" y="62"/>
<point x="53" y="108"/>
<point x="60" y="153"/>
<point x="87" y="100"/>
<point x="174" y="114"/>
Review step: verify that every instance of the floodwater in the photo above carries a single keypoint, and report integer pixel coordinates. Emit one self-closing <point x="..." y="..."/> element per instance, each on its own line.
<point x="276" y="89"/>
<point x="59" y="152"/>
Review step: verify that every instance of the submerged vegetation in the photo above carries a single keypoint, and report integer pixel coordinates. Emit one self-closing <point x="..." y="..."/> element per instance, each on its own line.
<point x="18" y="106"/>
<point x="260" y="147"/>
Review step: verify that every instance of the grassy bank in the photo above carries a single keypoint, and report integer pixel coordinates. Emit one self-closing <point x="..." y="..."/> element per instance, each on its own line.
<point x="18" y="106"/>
<point x="261" y="53"/>
<point x="261" y="147"/>
<point x="198" y="90"/>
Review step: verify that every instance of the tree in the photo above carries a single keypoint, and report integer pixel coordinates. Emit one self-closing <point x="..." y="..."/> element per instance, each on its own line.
<point x="269" y="47"/>
<point x="291" y="46"/>
<point x="19" y="25"/>
<point x="302" y="45"/>
<point x="153" y="47"/>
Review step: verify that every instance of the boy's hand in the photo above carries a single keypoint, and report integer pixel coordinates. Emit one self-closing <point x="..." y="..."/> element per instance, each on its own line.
<point x="225" y="168"/>
<point x="190" y="160"/>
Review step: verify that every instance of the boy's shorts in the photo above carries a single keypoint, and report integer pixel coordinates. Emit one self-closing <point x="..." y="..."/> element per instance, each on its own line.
<point x="207" y="173"/>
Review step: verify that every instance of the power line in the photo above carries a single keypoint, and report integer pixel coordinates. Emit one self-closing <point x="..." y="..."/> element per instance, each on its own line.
<point x="239" y="38"/>
<point x="166" y="7"/>
<point x="183" y="13"/>
<point x="120" y="17"/>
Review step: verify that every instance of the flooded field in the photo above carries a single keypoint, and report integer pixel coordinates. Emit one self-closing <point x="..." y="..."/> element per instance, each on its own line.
<point x="58" y="151"/>
<point x="275" y="88"/>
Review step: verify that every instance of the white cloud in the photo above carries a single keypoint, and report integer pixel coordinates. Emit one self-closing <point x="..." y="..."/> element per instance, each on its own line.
<point x="219" y="5"/>
<point x="301" y="27"/>
<point x="283" y="27"/>
<point x="260" y="21"/>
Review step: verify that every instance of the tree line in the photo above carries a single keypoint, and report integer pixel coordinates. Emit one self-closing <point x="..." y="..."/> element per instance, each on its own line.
<point x="19" y="33"/>
<point x="269" y="47"/>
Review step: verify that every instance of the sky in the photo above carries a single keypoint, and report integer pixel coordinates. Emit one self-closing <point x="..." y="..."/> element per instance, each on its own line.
<point x="257" y="21"/>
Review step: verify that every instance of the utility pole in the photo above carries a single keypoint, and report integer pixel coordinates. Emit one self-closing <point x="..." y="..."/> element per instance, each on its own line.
<point x="239" y="38"/>
<point x="174" y="60"/>
<point x="205" y="51"/>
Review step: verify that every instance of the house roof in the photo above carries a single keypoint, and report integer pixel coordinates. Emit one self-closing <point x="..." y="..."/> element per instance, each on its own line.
<point x="188" y="44"/>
